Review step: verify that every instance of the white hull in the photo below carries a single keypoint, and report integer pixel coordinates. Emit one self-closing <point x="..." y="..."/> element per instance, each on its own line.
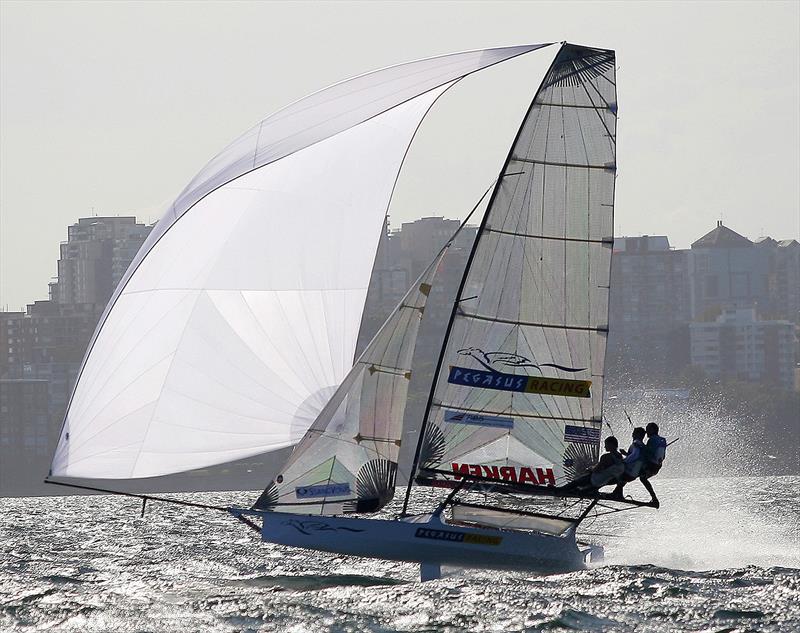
<point x="427" y="540"/>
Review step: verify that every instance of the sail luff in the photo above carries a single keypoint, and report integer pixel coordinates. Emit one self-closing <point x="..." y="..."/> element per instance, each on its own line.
<point x="458" y="296"/>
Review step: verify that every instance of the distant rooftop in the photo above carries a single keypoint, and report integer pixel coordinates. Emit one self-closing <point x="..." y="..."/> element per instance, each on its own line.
<point x="645" y="243"/>
<point x="721" y="237"/>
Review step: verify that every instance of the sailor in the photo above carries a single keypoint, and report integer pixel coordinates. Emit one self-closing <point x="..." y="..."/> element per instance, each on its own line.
<point x="654" y="452"/>
<point x="606" y="471"/>
<point x="634" y="460"/>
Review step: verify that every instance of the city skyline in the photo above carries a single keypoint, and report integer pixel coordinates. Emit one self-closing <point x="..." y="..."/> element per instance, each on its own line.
<point x="727" y="306"/>
<point x="123" y="127"/>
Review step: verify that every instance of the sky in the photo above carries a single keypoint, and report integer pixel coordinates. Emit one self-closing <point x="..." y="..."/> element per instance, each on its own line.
<point x="111" y="108"/>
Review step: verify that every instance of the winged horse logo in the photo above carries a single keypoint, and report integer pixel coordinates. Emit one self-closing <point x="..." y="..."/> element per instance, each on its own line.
<point x="496" y="361"/>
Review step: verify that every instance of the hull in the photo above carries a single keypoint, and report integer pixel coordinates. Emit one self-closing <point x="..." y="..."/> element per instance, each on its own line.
<point x="427" y="540"/>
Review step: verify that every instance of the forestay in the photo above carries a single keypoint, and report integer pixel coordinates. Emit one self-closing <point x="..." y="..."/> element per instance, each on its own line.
<point x="520" y="387"/>
<point x="347" y="461"/>
<point x="238" y="318"/>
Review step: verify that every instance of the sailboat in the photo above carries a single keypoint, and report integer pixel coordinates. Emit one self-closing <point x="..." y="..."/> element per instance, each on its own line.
<point x="233" y="332"/>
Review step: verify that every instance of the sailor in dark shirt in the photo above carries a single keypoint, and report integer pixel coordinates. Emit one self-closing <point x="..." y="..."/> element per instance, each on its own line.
<point x="654" y="452"/>
<point x="605" y="472"/>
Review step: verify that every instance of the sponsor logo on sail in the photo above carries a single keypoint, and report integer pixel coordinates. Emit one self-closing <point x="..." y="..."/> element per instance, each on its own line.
<point x="322" y="490"/>
<point x="478" y="419"/>
<point x="523" y="384"/>
<point x="493" y="378"/>
<point x="458" y="537"/>
<point x="581" y="434"/>
<point x="540" y="476"/>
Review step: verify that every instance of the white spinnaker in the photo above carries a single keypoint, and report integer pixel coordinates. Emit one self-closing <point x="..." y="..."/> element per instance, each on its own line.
<point x="215" y="346"/>
<point x="347" y="460"/>
<point x="535" y="300"/>
<point x="237" y="328"/>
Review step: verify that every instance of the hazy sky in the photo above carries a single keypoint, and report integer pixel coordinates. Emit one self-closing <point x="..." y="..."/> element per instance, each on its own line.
<point x="115" y="106"/>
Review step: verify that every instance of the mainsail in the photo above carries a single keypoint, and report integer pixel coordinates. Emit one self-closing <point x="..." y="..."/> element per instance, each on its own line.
<point x="238" y="319"/>
<point x="519" y="391"/>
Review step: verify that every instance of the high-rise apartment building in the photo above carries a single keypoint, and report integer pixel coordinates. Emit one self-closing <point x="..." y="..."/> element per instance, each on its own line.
<point x="728" y="271"/>
<point x="649" y="307"/>
<point x="41" y="349"/>
<point x="95" y="257"/>
<point x="738" y="345"/>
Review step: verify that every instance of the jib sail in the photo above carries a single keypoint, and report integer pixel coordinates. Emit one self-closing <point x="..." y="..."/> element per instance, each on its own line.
<point x="347" y="461"/>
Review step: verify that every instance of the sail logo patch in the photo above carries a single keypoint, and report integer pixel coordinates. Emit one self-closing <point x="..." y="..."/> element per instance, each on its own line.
<point x="458" y="537"/>
<point x="493" y="360"/>
<point x="523" y="384"/>
<point x="524" y="475"/>
<point x="581" y="434"/>
<point x="478" y="419"/>
<point x="322" y="490"/>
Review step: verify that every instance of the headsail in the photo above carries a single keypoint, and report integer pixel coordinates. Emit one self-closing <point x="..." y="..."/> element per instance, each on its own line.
<point x="238" y="318"/>
<point x="519" y="390"/>
<point x="347" y="460"/>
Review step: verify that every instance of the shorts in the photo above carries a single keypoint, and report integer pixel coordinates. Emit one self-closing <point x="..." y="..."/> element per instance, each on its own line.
<point x="649" y="470"/>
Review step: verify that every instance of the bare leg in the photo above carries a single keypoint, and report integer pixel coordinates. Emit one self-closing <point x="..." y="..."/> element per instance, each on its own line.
<point x="646" y="483"/>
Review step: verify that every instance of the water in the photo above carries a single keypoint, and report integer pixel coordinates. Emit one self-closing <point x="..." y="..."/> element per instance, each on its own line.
<point x="720" y="555"/>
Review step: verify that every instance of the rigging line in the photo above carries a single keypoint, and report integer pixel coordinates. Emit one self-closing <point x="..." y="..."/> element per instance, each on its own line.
<point x="454" y="311"/>
<point x="599" y="116"/>
<point x="602" y="98"/>
<point x="191" y="504"/>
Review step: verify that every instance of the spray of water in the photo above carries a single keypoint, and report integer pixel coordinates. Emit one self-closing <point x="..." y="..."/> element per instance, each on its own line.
<point x="714" y="513"/>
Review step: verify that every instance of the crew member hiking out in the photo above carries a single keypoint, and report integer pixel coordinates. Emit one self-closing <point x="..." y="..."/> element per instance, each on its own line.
<point x="654" y="452"/>
<point x="605" y="472"/>
<point x="634" y="461"/>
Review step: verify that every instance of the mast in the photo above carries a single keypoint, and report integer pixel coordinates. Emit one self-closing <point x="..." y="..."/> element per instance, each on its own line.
<point x="540" y="290"/>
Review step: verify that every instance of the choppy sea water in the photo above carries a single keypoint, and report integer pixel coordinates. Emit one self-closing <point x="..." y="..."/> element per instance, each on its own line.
<point x="720" y="555"/>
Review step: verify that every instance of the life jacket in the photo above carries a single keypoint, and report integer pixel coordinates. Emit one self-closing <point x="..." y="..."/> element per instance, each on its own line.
<point x="611" y="473"/>
<point x="656" y="449"/>
<point x="635" y="459"/>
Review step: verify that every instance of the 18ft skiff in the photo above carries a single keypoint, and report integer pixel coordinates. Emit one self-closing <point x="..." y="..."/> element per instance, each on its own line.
<point x="246" y="346"/>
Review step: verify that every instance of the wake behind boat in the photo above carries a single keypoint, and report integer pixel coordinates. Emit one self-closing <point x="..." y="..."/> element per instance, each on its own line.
<point x="248" y="350"/>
